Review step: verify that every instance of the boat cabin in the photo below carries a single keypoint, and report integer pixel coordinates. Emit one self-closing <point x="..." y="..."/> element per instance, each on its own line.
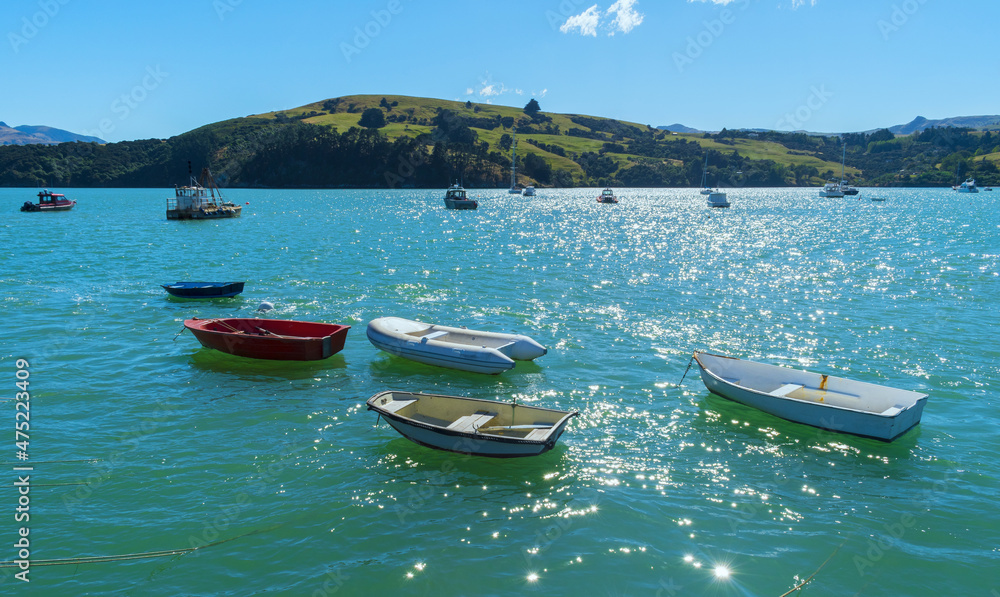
<point x="607" y="196"/>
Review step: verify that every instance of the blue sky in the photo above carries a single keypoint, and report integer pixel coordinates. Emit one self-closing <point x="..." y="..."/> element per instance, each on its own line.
<point x="132" y="70"/>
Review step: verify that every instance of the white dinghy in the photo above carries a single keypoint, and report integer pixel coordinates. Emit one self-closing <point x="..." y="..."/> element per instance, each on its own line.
<point x="824" y="401"/>
<point x="456" y="348"/>
<point x="471" y="425"/>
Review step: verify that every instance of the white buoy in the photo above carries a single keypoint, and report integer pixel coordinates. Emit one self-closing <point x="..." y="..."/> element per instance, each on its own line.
<point x="265" y="306"/>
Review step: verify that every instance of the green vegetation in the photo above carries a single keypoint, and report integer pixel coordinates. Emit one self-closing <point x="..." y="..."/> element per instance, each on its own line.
<point x="399" y="141"/>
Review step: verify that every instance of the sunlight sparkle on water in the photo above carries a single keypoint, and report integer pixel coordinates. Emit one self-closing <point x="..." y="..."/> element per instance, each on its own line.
<point x="722" y="572"/>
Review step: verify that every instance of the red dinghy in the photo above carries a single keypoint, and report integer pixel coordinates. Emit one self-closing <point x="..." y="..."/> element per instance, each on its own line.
<point x="275" y="339"/>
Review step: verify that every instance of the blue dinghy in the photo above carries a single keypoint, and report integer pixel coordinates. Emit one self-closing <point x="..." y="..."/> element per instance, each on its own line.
<point x="203" y="290"/>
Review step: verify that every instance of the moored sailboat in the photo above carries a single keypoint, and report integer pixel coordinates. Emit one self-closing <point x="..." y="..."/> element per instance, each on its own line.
<point x="513" y="190"/>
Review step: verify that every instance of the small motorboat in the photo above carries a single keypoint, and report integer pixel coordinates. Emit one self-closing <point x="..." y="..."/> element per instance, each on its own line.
<point x="204" y="290"/>
<point x="878" y="198"/>
<point x="201" y="199"/>
<point x="455" y="348"/>
<point x="969" y="186"/>
<point x="607" y="196"/>
<point x="470" y="425"/>
<point x="48" y="201"/>
<point x="717" y="198"/>
<point x="274" y="339"/>
<point x="529" y="191"/>
<point x="456" y="198"/>
<point x="832" y="190"/>
<point x="823" y="401"/>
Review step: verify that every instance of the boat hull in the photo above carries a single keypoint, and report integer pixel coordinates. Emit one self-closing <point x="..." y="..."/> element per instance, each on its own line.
<point x="460" y="204"/>
<point x="35" y="207"/>
<point x="204" y="290"/>
<point x="831" y="403"/>
<point x="717" y="199"/>
<point x="492" y="353"/>
<point x="434" y="432"/>
<point x="219" y="213"/>
<point x="284" y="340"/>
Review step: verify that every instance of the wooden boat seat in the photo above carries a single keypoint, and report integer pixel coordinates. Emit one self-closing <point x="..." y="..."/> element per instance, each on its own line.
<point x="469" y="423"/>
<point x="786" y="389"/>
<point x="538" y="433"/>
<point x="397" y="405"/>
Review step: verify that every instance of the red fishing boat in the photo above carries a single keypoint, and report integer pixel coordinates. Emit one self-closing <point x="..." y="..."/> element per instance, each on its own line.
<point x="275" y="339"/>
<point x="49" y="202"/>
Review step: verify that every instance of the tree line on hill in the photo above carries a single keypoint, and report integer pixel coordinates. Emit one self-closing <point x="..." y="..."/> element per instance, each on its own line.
<point x="287" y="152"/>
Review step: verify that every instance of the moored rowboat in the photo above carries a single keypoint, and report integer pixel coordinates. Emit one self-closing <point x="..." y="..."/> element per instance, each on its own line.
<point x="275" y="339"/>
<point x="470" y="425"/>
<point x="203" y="290"/>
<point x="456" y="348"/>
<point x="824" y="401"/>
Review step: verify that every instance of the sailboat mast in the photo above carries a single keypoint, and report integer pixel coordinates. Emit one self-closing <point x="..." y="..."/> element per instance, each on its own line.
<point x="513" y="159"/>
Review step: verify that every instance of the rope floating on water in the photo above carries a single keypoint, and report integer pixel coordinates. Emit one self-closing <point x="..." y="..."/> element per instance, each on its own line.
<point x="130" y="556"/>
<point x="34" y="462"/>
<point x="806" y="581"/>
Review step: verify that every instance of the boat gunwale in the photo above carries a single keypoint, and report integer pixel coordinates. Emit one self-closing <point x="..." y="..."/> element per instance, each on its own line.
<point x="920" y="396"/>
<point x="274" y="337"/>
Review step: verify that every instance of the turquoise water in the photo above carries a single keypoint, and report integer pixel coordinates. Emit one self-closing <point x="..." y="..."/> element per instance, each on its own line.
<point x="142" y="441"/>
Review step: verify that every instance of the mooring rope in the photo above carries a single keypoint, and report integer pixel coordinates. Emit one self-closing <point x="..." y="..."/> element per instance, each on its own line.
<point x="806" y="581"/>
<point x="686" y="372"/>
<point x="130" y="556"/>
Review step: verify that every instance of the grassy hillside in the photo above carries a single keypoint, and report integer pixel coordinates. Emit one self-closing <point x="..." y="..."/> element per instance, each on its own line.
<point x="413" y="117"/>
<point x="367" y="141"/>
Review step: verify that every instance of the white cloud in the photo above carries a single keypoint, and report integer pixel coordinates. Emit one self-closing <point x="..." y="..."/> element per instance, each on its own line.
<point x="486" y="90"/>
<point x="492" y="89"/>
<point x="586" y="22"/>
<point x="626" y="17"/>
<point x="622" y="14"/>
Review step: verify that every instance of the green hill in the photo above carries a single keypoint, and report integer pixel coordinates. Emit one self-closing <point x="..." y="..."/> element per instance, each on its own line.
<point x="563" y="138"/>
<point x="398" y="141"/>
